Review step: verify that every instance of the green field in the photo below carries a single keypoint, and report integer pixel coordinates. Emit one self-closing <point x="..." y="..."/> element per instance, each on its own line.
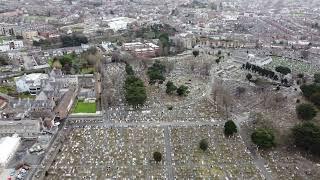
<point x="83" y="107"/>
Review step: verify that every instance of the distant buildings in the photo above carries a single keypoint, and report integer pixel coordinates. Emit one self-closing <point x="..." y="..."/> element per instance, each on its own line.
<point x="119" y="23"/>
<point x="10" y="45"/>
<point x="141" y="49"/>
<point x="259" y="61"/>
<point x="107" y="47"/>
<point x="30" y="34"/>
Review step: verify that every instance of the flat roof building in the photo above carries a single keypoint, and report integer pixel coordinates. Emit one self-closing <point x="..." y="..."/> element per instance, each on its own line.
<point x="8" y="146"/>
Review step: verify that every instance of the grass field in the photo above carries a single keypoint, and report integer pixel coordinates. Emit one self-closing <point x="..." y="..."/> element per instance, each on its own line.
<point x="83" y="107"/>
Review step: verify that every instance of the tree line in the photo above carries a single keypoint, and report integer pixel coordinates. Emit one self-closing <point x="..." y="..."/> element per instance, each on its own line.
<point x="261" y="71"/>
<point x="65" y="41"/>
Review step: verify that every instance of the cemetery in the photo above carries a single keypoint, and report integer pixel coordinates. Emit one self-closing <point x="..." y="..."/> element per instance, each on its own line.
<point x="122" y="143"/>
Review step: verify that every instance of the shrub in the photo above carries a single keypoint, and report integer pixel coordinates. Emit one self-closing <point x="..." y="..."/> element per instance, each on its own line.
<point x="157" y="156"/>
<point x="170" y="87"/>
<point x="307" y="136"/>
<point x="263" y="138"/>
<point x="315" y="98"/>
<point x="203" y="145"/>
<point x="230" y="128"/>
<point x="309" y="90"/>
<point x="249" y="76"/>
<point x="306" y="111"/>
<point x="195" y="53"/>
<point x="182" y="90"/>
<point x="317" y="78"/>
<point x="283" y="70"/>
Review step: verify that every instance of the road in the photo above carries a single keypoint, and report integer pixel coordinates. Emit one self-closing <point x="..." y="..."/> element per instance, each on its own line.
<point x="50" y="153"/>
<point x="259" y="161"/>
<point x="167" y="139"/>
<point x="145" y="124"/>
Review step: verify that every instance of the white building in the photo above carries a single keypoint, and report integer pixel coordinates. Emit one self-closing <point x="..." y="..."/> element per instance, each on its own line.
<point x="30" y="83"/>
<point x="4" y="48"/>
<point x="258" y="60"/>
<point x="10" y="45"/>
<point x="119" y="23"/>
<point x="8" y="146"/>
<point x="132" y="46"/>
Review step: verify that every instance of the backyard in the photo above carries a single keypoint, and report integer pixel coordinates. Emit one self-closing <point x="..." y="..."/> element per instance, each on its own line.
<point x="11" y="91"/>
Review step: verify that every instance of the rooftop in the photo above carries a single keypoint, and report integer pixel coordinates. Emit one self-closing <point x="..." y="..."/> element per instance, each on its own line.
<point x="7" y="146"/>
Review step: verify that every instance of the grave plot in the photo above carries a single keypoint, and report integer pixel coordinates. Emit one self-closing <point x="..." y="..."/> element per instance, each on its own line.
<point x="289" y="165"/>
<point x="111" y="153"/>
<point x="295" y="65"/>
<point x="224" y="158"/>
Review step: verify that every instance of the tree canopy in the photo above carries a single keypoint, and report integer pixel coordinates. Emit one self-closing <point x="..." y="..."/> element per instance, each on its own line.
<point x="182" y="90"/>
<point x="317" y="78"/>
<point x="263" y="138"/>
<point x="135" y="92"/>
<point x="171" y="88"/>
<point x="195" y="53"/>
<point x="261" y="71"/>
<point x="56" y="64"/>
<point x="230" y="128"/>
<point x="156" y="72"/>
<point x="249" y="76"/>
<point x="164" y="39"/>
<point x="157" y="156"/>
<point x="73" y="40"/>
<point x="3" y="60"/>
<point x="309" y="90"/>
<point x="307" y="136"/>
<point x="203" y="144"/>
<point x="129" y="69"/>
<point x="315" y="98"/>
<point x="283" y="70"/>
<point x="306" y="111"/>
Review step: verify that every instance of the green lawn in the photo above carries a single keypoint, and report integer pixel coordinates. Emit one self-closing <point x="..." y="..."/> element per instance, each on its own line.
<point x="11" y="91"/>
<point x="83" y="107"/>
<point x="7" y="89"/>
<point x="89" y="70"/>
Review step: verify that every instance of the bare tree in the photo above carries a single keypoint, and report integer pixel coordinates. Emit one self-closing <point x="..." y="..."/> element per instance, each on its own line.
<point x="222" y="96"/>
<point x="240" y="91"/>
<point x="169" y="66"/>
<point x="227" y="102"/>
